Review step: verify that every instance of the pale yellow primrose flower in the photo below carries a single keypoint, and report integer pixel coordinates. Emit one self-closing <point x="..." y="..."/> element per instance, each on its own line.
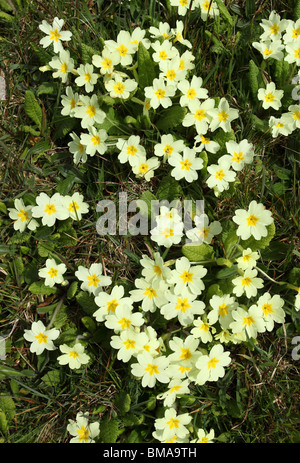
<point x="176" y="387"/>
<point x="248" y="284"/>
<point x="69" y="102"/>
<point x="53" y="272"/>
<point x="129" y="343"/>
<point x="293" y="52"/>
<point x="211" y="367"/>
<point x="124" y="46"/>
<point x="88" y="111"/>
<point x="74" y="356"/>
<point x="253" y="222"/>
<point x="76" y="205"/>
<point x="221" y="174"/>
<point x="50" y="209"/>
<point x="283" y="125"/>
<point x="273" y="27"/>
<point x="204" y="437"/>
<point x="270" y="49"/>
<point x="86" y="77"/>
<point x="247" y="259"/>
<point x="208" y="9"/>
<point x="191" y="90"/>
<point x="108" y="303"/>
<point x="131" y="150"/>
<point x="40" y="337"/>
<point x="77" y="149"/>
<point x="168" y="146"/>
<point x="250" y="321"/>
<point x="54" y="34"/>
<point x="184" y="306"/>
<point x="94" y="141"/>
<point x="63" y="64"/>
<point x="240" y="154"/>
<point x="22" y="216"/>
<point x="172" y="424"/>
<point x="160" y="94"/>
<point x="292" y="31"/>
<point x="270" y="97"/>
<point x="204" y="231"/>
<point x="151" y="369"/>
<point x="295" y="112"/>
<point x="92" y="278"/>
<point x="123" y="319"/>
<point x="106" y="61"/>
<point x="119" y="88"/>
<point x="83" y="431"/>
<point x="146" y="167"/>
<point x="187" y="275"/>
<point x="272" y="309"/>
<point x="183" y="6"/>
<point x="185" y="165"/>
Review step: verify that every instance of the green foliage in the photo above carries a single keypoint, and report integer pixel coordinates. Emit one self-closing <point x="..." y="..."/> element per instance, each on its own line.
<point x="171" y="118"/>
<point x="198" y="253"/>
<point x="146" y="68"/>
<point x="109" y="430"/>
<point x="33" y="109"/>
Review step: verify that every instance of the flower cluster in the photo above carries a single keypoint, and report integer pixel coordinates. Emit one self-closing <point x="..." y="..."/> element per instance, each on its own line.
<point x="280" y="41"/>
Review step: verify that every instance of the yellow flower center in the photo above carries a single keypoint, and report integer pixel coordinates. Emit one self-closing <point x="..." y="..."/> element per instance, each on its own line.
<point x="296" y="33"/>
<point x="125" y="323"/>
<point x="181" y="65"/>
<point x="185" y="165"/>
<point x="220" y="174"/>
<point x="83" y="434"/>
<point x="160" y="93"/>
<point x="143" y="168"/>
<point x="223" y="116"/>
<point x="87" y="77"/>
<point x="237" y="157"/>
<point x="267" y="309"/>
<point x="182" y="304"/>
<point x="119" y="88"/>
<point x="203" y="440"/>
<point x="174" y="389"/>
<point x="204" y="327"/>
<point x="73" y="354"/>
<point x="187" y="277"/>
<point x="246" y="258"/>
<point x="91" y="111"/>
<point x="73" y="206"/>
<point x="23" y="215"/>
<point x="296" y="115"/>
<point x="246" y="281"/>
<point x="152" y="369"/>
<point x="93" y="280"/>
<point x="223" y="310"/>
<point x="95" y="140"/>
<point x="269" y="98"/>
<point x="297" y="53"/>
<point x="212" y="363"/>
<point x="199" y="114"/>
<point x="72" y="103"/>
<point x="50" y="209"/>
<point x="150" y="293"/>
<point x="64" y="68"/>
<point x="157" y="270"/>
<point x="131" y="150"/>
<point x="204" y="140"/>
<point x="185" y="354"/>
<point x="173" y="422"/>
<point x="53" y="272"/>
<point x="112" y="305"/>
<point x="106" y="63"/>
<point x="162" y="55"/>
<point x="274" y="29"/>
<point x="129" y="344"/>
<point x="41" y="337"/>
<point x="279" y="125"/>
<point x="168" y="150"/>
<point x="267" y="52"/>
<point x="252" y="220"/>
<point x="171" y="74"/>
<point x="122" y="50"/>
<point x="80" y="147"/>
<point x="248" y="321"/>
<point x="167" y="232"/>
<point x="55" y="35"/>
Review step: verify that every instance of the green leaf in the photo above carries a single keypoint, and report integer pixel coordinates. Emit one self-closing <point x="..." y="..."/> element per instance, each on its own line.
<point x="253" y="79"/>
<point x="45" y="248"/>
<point x="65" y="185"/>
<point x="122" y="402"/>
<point x="33" y="109"/>
<point x="296" y="12"/>
<point x="198" y="253"/>
<point x="169" y="189"/>
<point x="47" y="88"/>
<point x="146" y="69"/>
<point x="7" y="405"/>
<point x="259" y="124"/>
<point x="144" y="202"/>
<point x="171" y="118"/>
<point x="4" y="5"/>
<point x="52" y="378"/>
<point x="43" y="56"/>
<point x="38" y="287"/>
<point x="109" y="430"/>
<point x="3" y="420"/>
<point x="228" y="236"/>
<point x="6" y="17"/>
<point x="255" y="245"/>
<point x="89" y="324"/>
<point x="72" y="290"/>
<point x="224" y="12"/>
<point x="87" y="53"/>
<point x="86" y="301"/>
<point x="13" y="373"/>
